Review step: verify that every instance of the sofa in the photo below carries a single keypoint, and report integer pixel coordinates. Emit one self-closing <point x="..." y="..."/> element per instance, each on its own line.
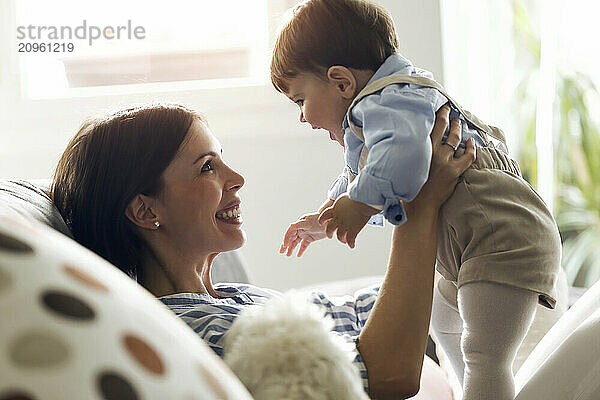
<point x="74" y="326"/>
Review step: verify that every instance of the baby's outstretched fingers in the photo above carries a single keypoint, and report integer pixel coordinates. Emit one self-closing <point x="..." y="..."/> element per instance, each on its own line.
<point x="290" y="235"/>
<point x="292" y="246"/>
<point x="303" y="247"/>
<point x="341" y="235"/>
<point x="331" y="227"/>
<point x="327" y="214"/>
<point x="351" y="239"/>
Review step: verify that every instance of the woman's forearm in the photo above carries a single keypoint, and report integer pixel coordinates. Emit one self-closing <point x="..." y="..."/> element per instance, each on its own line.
<point x="393" y="341"/>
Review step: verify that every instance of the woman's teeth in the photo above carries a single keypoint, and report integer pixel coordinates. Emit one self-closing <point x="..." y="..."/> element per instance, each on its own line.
<point x="233" y="213"/>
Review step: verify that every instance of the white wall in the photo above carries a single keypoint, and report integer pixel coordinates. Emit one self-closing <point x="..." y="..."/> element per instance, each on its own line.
<point x="287" y="167"/>
<point x="479" y="61"/>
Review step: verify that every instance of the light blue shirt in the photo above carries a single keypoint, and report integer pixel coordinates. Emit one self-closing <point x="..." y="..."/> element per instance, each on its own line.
<point x="211" y="318"/>
<point x="396" y="122"/>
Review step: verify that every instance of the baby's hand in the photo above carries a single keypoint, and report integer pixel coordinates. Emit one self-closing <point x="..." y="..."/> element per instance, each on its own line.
<point x="348" y="217"/>
<point x="304" y="231"/>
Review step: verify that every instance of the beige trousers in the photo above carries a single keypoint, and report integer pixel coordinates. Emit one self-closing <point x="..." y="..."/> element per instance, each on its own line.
<point x="496" y="228"/>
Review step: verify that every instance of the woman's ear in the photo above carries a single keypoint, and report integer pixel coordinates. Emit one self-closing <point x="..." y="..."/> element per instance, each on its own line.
<point x="343" y="79"/>
<point x="140" y="212"/>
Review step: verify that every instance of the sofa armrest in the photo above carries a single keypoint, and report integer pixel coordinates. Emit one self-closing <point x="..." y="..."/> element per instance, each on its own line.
<point x="29" y="199"/>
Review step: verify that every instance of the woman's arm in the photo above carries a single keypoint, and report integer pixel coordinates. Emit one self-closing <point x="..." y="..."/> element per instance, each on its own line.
<point x="392" y="343"/>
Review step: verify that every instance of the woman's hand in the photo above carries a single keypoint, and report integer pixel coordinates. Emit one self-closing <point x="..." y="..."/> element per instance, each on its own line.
<point x="445" y="167"/>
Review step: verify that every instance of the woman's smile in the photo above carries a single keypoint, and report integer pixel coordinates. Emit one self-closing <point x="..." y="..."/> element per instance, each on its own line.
<point x="230" y="215"/>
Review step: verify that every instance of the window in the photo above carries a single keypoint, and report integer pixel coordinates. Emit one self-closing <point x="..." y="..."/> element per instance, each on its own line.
<point x="74" y="46"/>
<point x="484" y="65"/>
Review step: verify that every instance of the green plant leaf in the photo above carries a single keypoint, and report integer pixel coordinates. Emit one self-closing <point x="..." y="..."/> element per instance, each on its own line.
<point x="576" y="153"/>
<point x="590" y="271"/>
<point x="575" y="253"/>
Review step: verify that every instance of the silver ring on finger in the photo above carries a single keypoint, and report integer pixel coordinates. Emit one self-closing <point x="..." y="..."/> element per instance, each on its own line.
<point x="454" y="146"/>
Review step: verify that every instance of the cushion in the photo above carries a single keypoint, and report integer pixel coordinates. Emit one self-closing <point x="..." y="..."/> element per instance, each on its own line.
<point x="29" y="199"/>
<point x="74" y="327"/>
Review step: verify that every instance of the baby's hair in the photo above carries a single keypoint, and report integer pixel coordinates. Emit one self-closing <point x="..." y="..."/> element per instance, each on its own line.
<point x="321" y="33"/>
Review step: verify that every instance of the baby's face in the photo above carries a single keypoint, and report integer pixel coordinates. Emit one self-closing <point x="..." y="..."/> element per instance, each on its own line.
<point x="320" y="104"/>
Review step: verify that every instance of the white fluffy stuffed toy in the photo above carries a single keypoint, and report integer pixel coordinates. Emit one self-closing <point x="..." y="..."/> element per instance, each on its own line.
<point x="286" y="350"/>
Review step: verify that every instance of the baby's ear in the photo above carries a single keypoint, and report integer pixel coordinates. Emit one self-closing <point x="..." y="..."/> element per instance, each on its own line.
<point x="343" y="79"/>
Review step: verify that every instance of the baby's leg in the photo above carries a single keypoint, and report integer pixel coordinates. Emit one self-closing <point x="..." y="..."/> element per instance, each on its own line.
<point x="496" y="318"/>
<point x="447" y="324"/>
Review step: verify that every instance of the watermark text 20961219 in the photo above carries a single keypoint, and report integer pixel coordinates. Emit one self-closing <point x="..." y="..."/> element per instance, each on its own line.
<point x="27" y="47"/>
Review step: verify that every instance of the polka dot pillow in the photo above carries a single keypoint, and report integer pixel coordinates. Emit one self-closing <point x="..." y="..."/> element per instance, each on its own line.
<point x="72" y="326"/>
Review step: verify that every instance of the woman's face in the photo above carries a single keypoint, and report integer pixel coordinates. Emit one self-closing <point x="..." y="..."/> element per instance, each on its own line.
<point x="198" y="207"/>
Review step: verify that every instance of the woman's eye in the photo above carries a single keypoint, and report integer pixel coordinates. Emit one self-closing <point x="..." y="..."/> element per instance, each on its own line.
<point x="207" y="167"/>
<point x="300" y="102"/>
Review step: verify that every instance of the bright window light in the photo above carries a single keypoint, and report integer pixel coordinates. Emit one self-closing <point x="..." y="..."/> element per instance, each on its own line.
<point x="73" y="44"/>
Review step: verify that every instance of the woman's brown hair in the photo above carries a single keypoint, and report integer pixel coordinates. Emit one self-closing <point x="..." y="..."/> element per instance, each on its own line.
<point x="322" y="33"/>
<point x="110" y="160"/>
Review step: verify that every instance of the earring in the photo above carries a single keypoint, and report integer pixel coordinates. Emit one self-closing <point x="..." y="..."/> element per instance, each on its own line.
<point x="156" y="224"/>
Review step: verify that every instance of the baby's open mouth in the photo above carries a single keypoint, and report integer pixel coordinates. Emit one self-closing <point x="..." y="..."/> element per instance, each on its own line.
<point x="232" y="213"/>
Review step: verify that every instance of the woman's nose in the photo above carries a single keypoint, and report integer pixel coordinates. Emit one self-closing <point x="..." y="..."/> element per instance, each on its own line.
<point x="235" y="181"/>
<point x="302" y="119"/>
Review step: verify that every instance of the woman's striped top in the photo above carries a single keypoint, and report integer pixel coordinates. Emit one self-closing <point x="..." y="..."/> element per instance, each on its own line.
<point x="212" y="317"/>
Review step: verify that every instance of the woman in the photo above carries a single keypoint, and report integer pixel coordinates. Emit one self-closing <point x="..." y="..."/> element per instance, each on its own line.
<point x="147" y="189"/>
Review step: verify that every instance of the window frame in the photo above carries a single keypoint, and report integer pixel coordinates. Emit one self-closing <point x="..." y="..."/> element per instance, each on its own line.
<point x="16" y="86"/>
